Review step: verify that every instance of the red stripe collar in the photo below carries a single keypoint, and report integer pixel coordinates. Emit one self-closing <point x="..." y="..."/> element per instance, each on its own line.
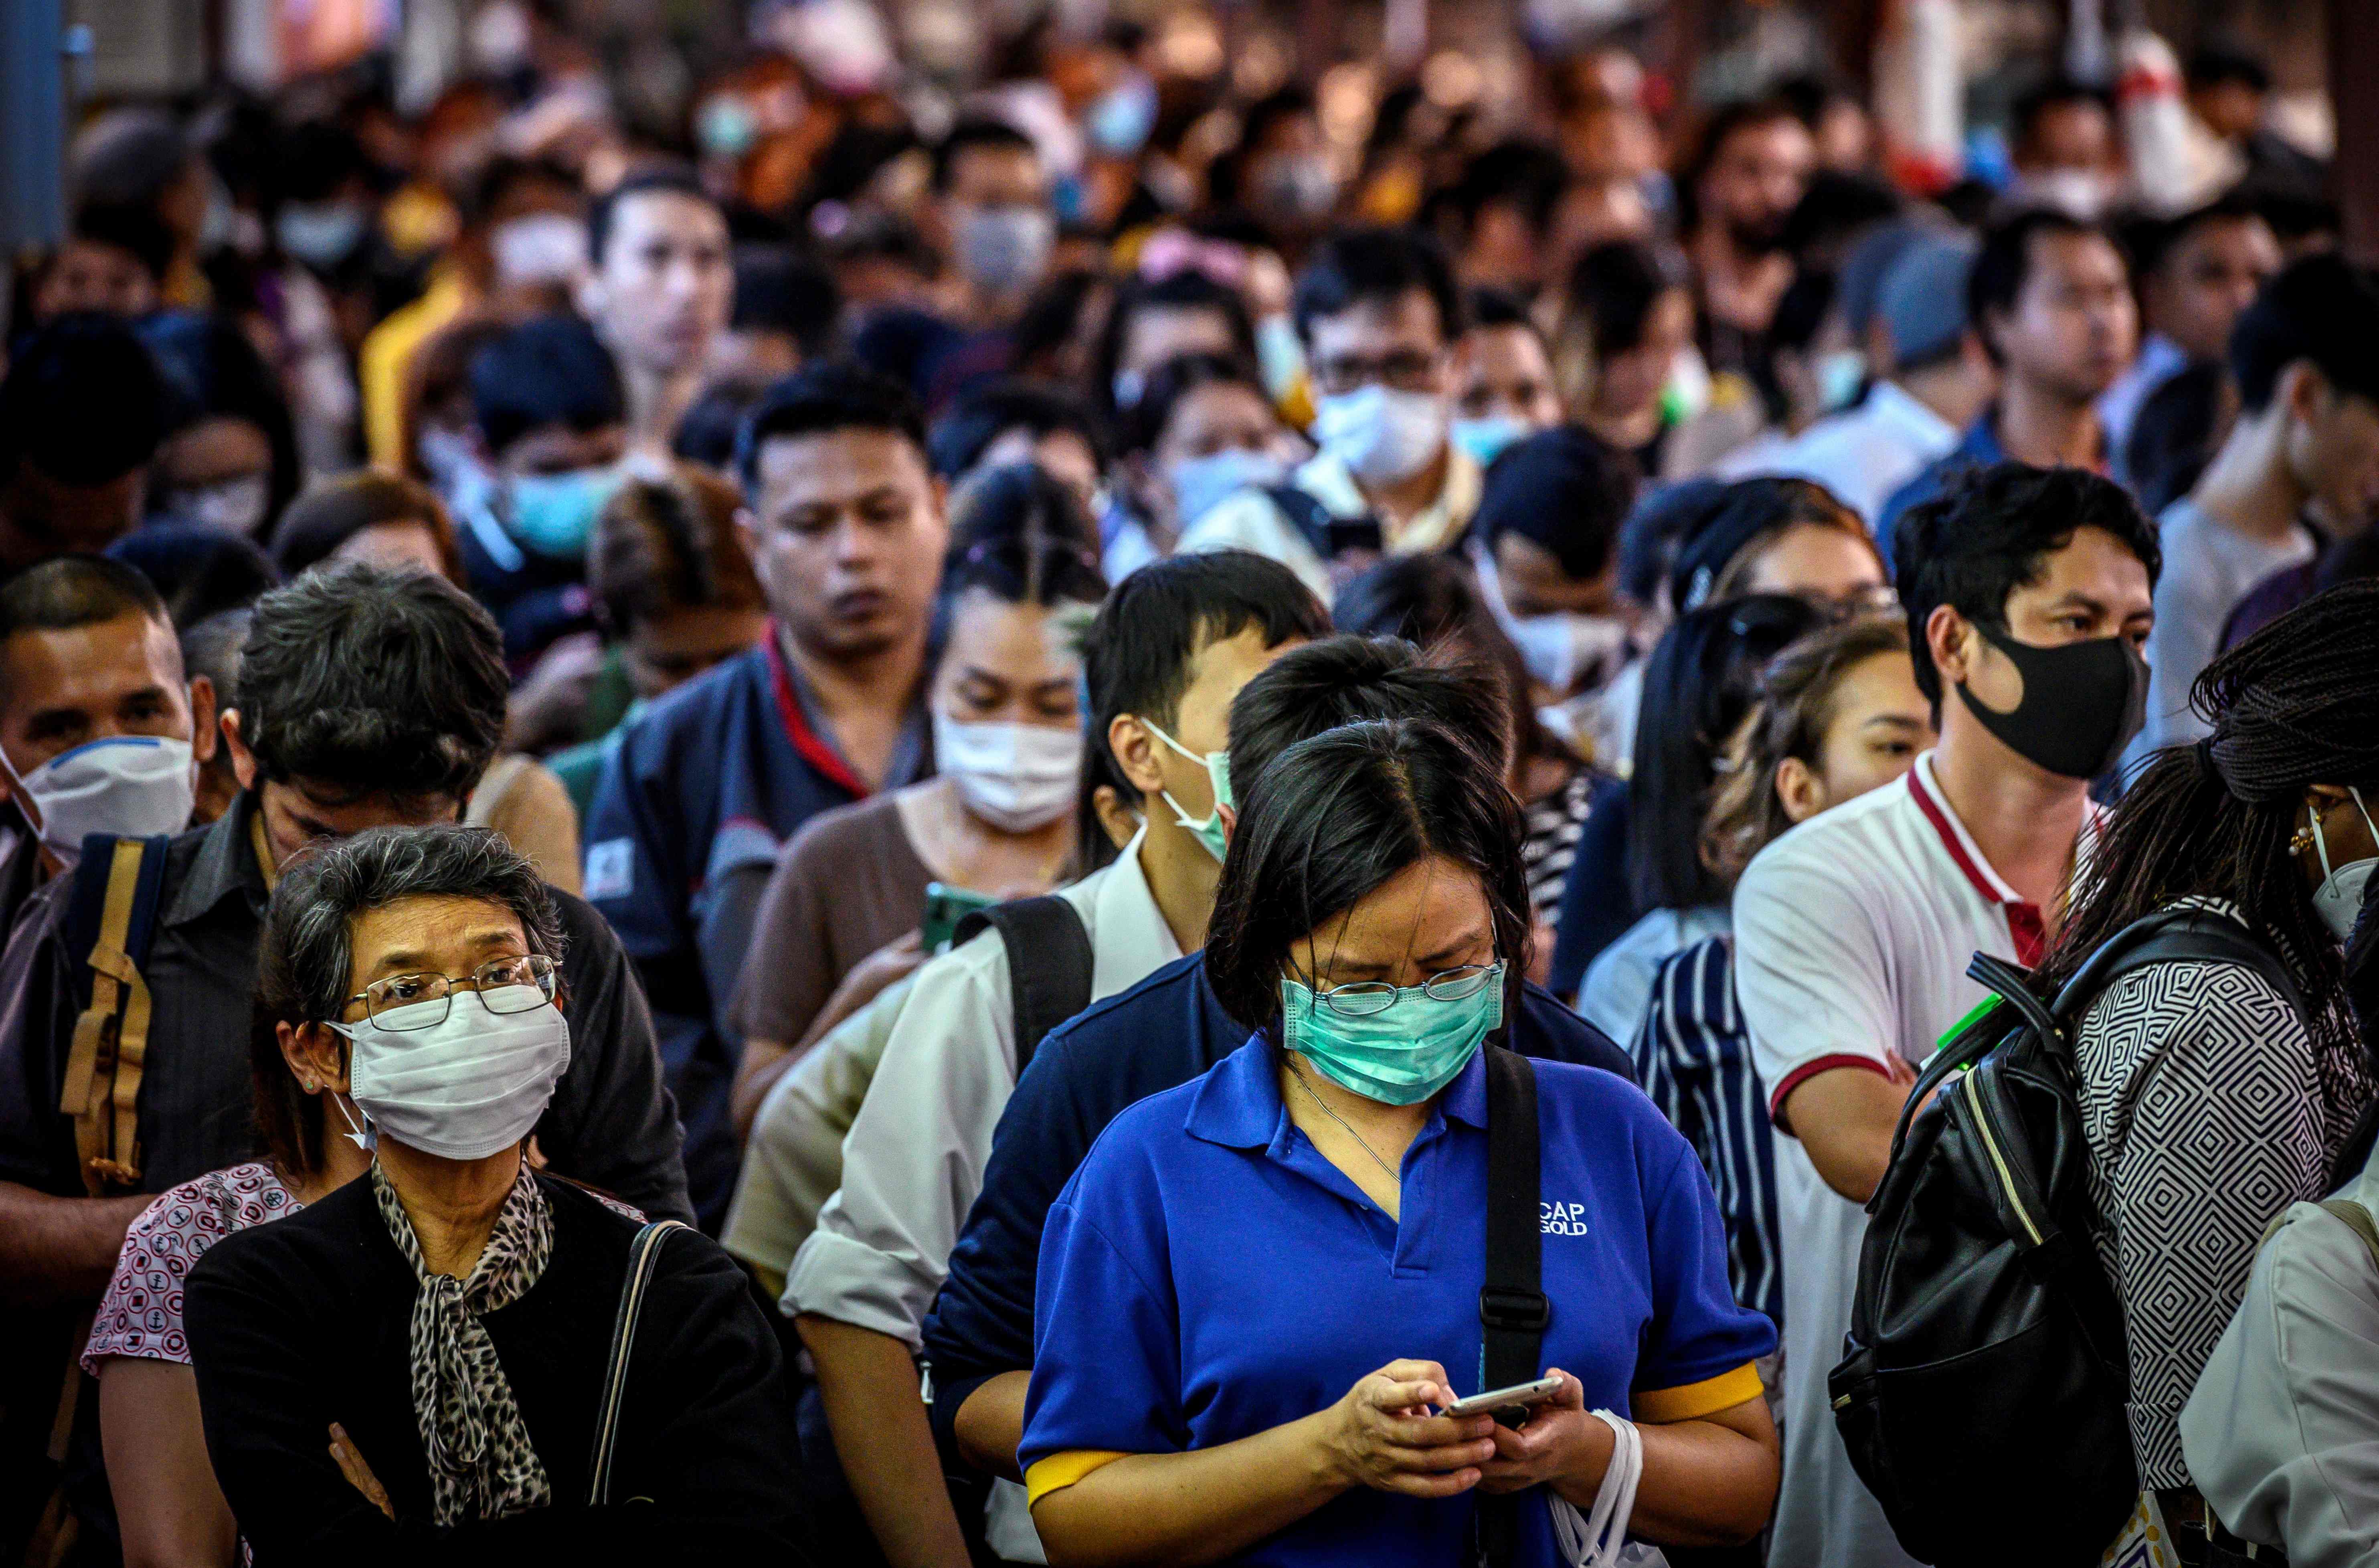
<point x="2025" y="925"/>
<point x="811" y="747"/>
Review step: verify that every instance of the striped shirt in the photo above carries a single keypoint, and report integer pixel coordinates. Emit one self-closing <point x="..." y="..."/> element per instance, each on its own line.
<point x="1694" y="1056"/>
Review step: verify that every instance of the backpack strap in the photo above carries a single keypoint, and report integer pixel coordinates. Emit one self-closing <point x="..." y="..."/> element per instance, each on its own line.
<point x="2193" y="935"/>
<point x="1513" y="1310"/>
<point x="118" y="886"/>
<point x="1048" y="963"/>
<point x="644" y="1254"/>
<point x="1328" y="534"/>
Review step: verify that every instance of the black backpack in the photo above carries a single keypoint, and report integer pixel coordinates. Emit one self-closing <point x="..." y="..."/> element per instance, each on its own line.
<point x="1050" y="964"/>
<point x="1982" y="1392"/>
<point x="1330" y="535"/>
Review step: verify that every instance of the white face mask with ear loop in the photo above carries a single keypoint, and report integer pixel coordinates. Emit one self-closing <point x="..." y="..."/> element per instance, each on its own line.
<point x="2339" y="899"/>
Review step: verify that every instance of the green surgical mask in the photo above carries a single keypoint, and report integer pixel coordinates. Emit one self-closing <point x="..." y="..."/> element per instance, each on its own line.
<point x="1218" y="773"/>
<point x="1415" y="1042"/>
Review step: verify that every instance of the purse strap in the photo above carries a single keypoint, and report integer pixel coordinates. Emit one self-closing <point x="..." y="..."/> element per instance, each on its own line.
<point x="1513" y="1310"/>
<point x="644" y="1252"/>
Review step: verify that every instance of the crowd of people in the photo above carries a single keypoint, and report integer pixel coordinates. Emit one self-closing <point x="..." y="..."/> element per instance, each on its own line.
<point x="1018" y="835"/>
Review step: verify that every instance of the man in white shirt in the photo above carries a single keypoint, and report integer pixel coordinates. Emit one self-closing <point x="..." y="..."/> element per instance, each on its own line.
<point x="1379" y="314"/>
<point x="1939" y="383"/>
<point x="2306" y="358"/>
<point x="2030" y="592"/>
<point x="1170" y="649"/>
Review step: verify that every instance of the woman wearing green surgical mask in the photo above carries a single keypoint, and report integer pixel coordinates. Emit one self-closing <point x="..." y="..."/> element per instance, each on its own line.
<point x="1311" y="1213"/>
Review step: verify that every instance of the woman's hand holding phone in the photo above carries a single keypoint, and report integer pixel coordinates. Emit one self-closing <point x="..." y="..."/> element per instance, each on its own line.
<point x="1558" y="1443"/>
<point x="1382" y="1434"/>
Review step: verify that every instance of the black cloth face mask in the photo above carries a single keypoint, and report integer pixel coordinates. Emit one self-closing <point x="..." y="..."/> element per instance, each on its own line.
<point x="2082" y="702"/>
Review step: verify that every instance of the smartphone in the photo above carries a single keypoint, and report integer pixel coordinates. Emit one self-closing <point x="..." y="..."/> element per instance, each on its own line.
<point x="1502" y="1402"/>
<point x="945" y="907"/>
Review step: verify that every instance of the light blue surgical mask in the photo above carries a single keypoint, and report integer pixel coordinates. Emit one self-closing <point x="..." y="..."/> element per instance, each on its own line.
<point x="1200" y="484"/>
<point x="1840" y="374"/>
<point x="554" y="514"/>
<point x="1414" y="1042"/>
<point x="1217" y="765"/>
<point x="1483" y="441"/>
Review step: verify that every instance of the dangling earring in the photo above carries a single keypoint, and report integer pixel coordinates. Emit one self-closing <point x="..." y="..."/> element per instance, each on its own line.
<point x="2302" y="842"/>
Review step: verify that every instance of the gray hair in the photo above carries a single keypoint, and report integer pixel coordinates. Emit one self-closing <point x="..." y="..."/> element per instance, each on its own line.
<point x="307" y="955"/>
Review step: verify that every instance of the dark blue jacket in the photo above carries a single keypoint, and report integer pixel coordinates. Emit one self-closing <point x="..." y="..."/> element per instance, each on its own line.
<point x="705" y="786"/>
<point x="1164" y="1031"/>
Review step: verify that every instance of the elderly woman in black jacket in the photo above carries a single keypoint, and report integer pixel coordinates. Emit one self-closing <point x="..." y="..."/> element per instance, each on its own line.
<point x="417" y="1362"/>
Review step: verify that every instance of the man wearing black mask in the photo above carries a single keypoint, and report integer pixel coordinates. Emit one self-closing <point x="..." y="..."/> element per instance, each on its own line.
<point x="2028" y="591"/>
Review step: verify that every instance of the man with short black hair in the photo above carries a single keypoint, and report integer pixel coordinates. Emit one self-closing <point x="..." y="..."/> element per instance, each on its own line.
<point x="88" y="654"/>
<point x="83" y="412"/>
<point x="1014" y="420"/>
<point x="2305" y="357"/>
<point x="1172" y="647"/>
<point x="1379" y="314"/>
<point x="2197" y="272"/>
<point x="1505" y="202"/>
<point x="553" y="420"/>
<point x="1505" y="389"/>
<point x="366" y="698"/>
<point x="2049" y="298"/>
<point x="1747" y="173"/>
<point x="846" y="529"/>
<point x="2028" y="592"/>
<point x="2064" y="148"/>
<point x="658" y="288"/>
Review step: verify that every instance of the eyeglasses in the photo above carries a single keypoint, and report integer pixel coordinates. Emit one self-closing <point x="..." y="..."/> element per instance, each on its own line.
<point x="1364" y="998"/>
<point x="1406" y="369"/>
<point x="505" y="985"/>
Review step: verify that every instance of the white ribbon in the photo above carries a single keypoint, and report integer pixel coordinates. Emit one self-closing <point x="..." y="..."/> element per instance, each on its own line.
<point x="1599" y="1540"/>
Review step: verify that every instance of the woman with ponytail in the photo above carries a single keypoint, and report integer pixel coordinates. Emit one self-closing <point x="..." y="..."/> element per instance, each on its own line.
<point x="2213" y="1099"/>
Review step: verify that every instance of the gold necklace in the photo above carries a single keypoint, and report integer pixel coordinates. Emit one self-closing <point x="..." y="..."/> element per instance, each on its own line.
<point x="1360" y="1141"/>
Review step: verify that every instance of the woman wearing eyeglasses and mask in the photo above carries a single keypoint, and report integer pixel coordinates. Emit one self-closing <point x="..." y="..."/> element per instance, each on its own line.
<point x="414" y="1363"/>
<point x="1261" y="1289"/>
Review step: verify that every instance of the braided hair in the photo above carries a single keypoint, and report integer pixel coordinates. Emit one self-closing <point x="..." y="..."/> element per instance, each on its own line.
<point x="2293" y="706"/>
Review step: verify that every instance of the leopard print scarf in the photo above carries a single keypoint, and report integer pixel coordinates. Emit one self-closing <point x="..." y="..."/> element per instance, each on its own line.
<point x="481" y="1466"/>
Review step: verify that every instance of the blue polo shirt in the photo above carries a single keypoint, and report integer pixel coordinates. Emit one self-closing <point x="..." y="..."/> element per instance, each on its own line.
<point x="692" y="806"/>
<point x="1163" y="1032"/>
<point x="1208" y="1275"/>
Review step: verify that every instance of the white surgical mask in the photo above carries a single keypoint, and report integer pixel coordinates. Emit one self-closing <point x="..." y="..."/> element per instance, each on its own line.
<point x="1199" y="484"/>
<point x="1564" y="651"/>
<point x="1016" y="776"/>
<point x="539" y="248"/>
<point x="136" y="785"/>
<point x="464" y="1089"/>
<point x="231" y="506"/>
<point x="2339" y="899"/>
<point x="1005" y="249"/>
<point x="1381" y="434"/>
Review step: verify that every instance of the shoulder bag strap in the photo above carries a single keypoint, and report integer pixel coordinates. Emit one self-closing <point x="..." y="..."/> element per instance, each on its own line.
<point x="2358" y="1219"/>
<point x="101" y="1087"/>
<point x="1513" y="1310"/>
<point x="1050" y="964"/>
<point x="644" y="1252"/>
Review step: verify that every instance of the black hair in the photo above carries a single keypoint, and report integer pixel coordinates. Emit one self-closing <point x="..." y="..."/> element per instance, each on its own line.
<point x="504" y="173"/>
<point x="313" y="160"/>
<point x="1346" y="680"/>
<point x="959" y="439"/>
<point x="1143" y="425"/>
<point x="1564" y="491"/>
<point x="670" y="179"/>
<point x="64" y="592"/>
<point x="1801" y="310"/>
<point x="216" y="373"/>
<point x="1724" y="124"/>
<point x="1353" y="266"/>
<point x="2322" y="308"/>
<point x="1614" y="288"/>
<point x="1519" y="173"/>
<point x="1226" y="180"/>
<point x="83" y="402"/>
<point x="975" y="132"/>
<point x="2003" y="265"/>
<point x="2151" y="242"/>
<point x="373" y="680"/>
<point x="2295" y="705"/>
<point x="1699" y="684"/>
<point x="1665" y="517"/>
<point x="1991" y="532"/>
<point x="1837" y="205"/>
<point x="332" y="513"/>
<point x="131" y="227"/>
<point x="1721" y="546"/>
<point x="1139" y="655"/>
<point x="706" y="432"/>
<point x="2024" y="116"/>
<point x="817" y="400"/>
<point x="1431" y="600"/>
<point x="553" y="370"/>
<point x="1179" y="291"/>
<point x="1023" y="538"/>
<point x="1484" y="308"/>
<point x="2210" y="64"/>
<point x="199" y="572"/>
<point x="780" y="289"/>
<point x="1337" y="816"/>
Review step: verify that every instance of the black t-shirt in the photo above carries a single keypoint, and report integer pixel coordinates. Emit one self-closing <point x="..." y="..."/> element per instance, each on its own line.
<point x="306" y="1321"/>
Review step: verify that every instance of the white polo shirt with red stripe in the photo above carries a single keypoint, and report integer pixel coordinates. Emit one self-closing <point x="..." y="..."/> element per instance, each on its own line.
<point x="1852" y="936"/>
